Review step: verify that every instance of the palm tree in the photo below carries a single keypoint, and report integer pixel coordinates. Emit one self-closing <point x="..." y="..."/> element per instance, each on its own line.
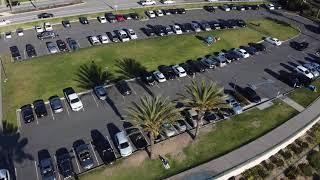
<point x="129" y="68"/>
<point x="201" y="98"/>
<point x="151" y="113"/>
<point x="91" y="75"/>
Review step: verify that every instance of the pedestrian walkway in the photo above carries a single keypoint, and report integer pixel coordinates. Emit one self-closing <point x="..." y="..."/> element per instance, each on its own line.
<point x="292" y="103"/>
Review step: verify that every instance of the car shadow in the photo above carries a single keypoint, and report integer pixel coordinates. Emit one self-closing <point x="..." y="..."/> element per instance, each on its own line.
<point x="78" y="143"/>
<point x="114" y="107"/>
<point x="312" y="28"/>
<point x="96" y="135"/>
<point x="127" y="125"/>
<point x="293" y="64"/>
<point x="113" y="130"/>
<point x="290" y="68"/>
<point x="301" y="62"/>
<point x="314" y="57"/>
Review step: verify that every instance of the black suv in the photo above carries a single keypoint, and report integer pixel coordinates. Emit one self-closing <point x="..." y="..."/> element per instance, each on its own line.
<point x="240" y="23"/>
<point x="66" y="24"/>
<point x="167" y="71"/>
<point x="102" y="145"/>
<point x="113" y="36"/>
<point x="40" y="108"/>
<point x="83" y="20"/>
<point x="47" y="35"/>
<point x="45" y="15"/>
<point x="251" y="50"/>
<point x="181" y="10"/>
<point x="186" y="27"/>
<point x="148" y="78"/>
<point x="209" y="8"/>
<point x="299" y="46"/>
<point x="123" y="87"/>
<point x="64" y="163"/>
<point x="72" y="44"/>
<point x="250" y="94"/>
<point x="15" y="53"/>
<point x="46" y="165"/>
<point x="196" y="65"/>
<point x="148" y="31"/>
<point x="27" y="113"/>
<point x="31" y="52"/>
<point x="258" y="46"/>
<point x="159" y="30"/>
<point x="188" y="68"/>
<point x="62" y="45"/>
<point x="110" y="17"/>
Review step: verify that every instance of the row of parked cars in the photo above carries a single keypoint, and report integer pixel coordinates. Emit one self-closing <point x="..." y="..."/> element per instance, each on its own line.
<point x="163" y="12"/>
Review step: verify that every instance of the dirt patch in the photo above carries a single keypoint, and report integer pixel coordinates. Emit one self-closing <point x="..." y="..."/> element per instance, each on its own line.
<point x="135" y="160"/>
<point x="179" y="156"/>
<point x="255" y="124"/>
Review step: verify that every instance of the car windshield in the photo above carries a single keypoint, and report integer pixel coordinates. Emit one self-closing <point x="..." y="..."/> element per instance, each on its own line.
<point x="149" y="77"/>
<point x="84" y="155"/>
<point x="101" y="91"/>
<point x="56" y="103"/>
<point x="75" y="100"/>
<point x="124" y="145"/>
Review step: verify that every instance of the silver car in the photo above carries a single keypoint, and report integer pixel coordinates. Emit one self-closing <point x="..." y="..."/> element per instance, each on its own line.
<point x="168" y="129"/>
<point x="52" y="48"/>
<point x="314" y="71"/>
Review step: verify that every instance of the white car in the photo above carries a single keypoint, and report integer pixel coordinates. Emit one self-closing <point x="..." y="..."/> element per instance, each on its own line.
<point x="180" y="72"/>
<point x="225" y="8"/>
<point x="168" y="1"/>
<point x="159" y="76"/>
<point x="47" y="26"/>
<point x="20" y="32"/>
<point x="150" y="14"/>
<point x="314" y="71"/>
<point x="94" y="40"/>
<point x="270" y="6"/>
<point x="104" y="39"/>
<point x="176" y="29"/>
<point x="123" y="36"/>
<point x="241" y="52"/>
<point x="8" y="35"/>
<point x="131" y="33"/>
<point x="304" y="71"/>
<point x="102" y="19"/>
<point x="273" y="41"/>
<point x="168" y="129"/>
<point x="147" y="2"/>
<point x="38" y="29"/>
<point x="123" y="144"/>
<point x="159" y="12"/>
<point x="4" y="22"/>
<point x="73" y="99"/>
<point x="4" y="174"/>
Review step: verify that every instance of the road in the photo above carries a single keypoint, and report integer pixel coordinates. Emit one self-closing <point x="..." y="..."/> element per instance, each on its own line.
<point x="61" y="130"/>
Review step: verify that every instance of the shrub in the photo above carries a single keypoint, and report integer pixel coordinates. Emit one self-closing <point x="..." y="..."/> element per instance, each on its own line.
<point x="305" y="169"/>
<point x="314" y="159"/>
<point x="277" y="161"/>
<point x="268" y="166"/>
<point x="310" y="140"/>
<point x="291" y="172"/>
<point x="311" y="133"/>
<point x="285" y="154"/>
<point x="302" y="144"/>
<point x="295" y="149"/>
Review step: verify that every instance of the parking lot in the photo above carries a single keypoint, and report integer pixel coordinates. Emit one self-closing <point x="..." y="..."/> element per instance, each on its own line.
<point x="61" y="130"/>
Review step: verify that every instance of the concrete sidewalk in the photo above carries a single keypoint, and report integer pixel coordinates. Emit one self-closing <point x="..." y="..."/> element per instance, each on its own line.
<point x="292" y="103"/>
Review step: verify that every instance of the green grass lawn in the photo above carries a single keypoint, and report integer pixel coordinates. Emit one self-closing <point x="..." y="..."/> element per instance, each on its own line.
<point x="304" y="96"/>
<point x="47" y="75"/>
<point x="140" y="11"/>
<point x="228" y="135"/>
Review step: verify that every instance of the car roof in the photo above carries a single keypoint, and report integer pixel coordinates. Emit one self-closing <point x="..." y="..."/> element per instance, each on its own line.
<point x="122" y="137"/>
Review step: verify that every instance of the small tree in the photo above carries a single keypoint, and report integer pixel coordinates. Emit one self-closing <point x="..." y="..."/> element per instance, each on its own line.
<point x="291" y="172"/>
<point x="305" y="169"/>
<point x="314" y="159"/>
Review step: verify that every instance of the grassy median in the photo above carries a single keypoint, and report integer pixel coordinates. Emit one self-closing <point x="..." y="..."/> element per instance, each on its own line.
<point x="226" y="136"/>
<point x="305" y="96"/>
<point x="47" y="75"/>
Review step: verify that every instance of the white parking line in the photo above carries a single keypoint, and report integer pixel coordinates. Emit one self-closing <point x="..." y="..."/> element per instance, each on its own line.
<point x="24" y="54"/>
<point x="51" y="113"/>
<point x="35" y="165"/>
<point x="114" y="148"/>
<point x="134" y="91"/>
<point x="94" y="99"/>
<point x="75" y="157"/>
<point x="18" y="120"/>
<point x="15" y="172"/>
<point x="36" y="119"/>
<point x="94" y="153"/>
<point x="124" y="100"/>
<point x="66" y="107"/>
<point x="55" y="159"/>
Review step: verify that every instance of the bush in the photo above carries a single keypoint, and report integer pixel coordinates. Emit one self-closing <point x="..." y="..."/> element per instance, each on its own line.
<point x="302" y="144"/>
<point x="311" y="133"/>
<point x="285" y="154"/>
<point x="268" y="166"/>
<point x="295" y="149"/>
<point x="310" y="140"/>
<point x="291" y="172"/>
<point x="305" y="169"/>
<point x="277" y="161"/>
<point x="314" y="159"/>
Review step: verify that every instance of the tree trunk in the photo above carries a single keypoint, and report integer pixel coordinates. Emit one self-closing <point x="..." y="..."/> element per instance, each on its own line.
<point x="199" y="124"/>
<point x="151" y="145"/>
<point x="10" y="5"/>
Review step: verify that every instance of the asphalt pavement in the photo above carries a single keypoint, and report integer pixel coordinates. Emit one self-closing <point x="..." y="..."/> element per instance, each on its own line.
<point x="61" y="130"/>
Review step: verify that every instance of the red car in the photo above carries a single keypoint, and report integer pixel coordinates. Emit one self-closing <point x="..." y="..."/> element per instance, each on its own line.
<point x="120" y="17"/>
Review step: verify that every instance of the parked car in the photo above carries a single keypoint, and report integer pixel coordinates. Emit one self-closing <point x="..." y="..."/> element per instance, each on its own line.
<point x="123" y="144"/>
<point x="240" y="22"/>
<point x="110" y="17"/>
<point x="123" y="87"/>
<point x="131" y="33"/>
<point x="38" y="29"/>
<point x="292" y="79"/>
<point x="8" y="35"/>
<point x="64" y="163"/>
<point x="186" y="27"/>
<point x="15" y="53"/>
<point x="159" y="30"/>
<point x="225" y="8"/>
<point x="196" y="65"/>
<point x="258" y="46"/>
<point x="147" y="2"/>
<point x="220" y="61"/>
<point x="180" y="72"/>
<point x="158" y="12"/>
<point x="94" y="40"/>
<point x="66" y="24"/>
<point x="120" y="17"/>
<point x="31" y="51"/>
<point x="72" y="44"/>
<point x="241" y="8"/>
<point x="137" y="138"/>
<point x="205" y="26"/>
<point x="209" y="63"/>
<point x="4" y="174"/>
<point x="47" y="35"/>
<point x="103" y="147"/>
<point x="304" y="71"/>
<point x="168" y="129"/>
<point x="148" y="78"/>
<point x="100" y="92"/>
<point x="168" y="1"/>
<point x="299" y="46"/>
<point x="62" y="45"/>
<point x="180" y="125"/>
<point x="134" y="16"/>
<point x="250" y="94"/>
<point x="47" y="26"/>
<point x="231" y="56"/>
<point x="148" y="31"/>
<point x="236" y="107"/>
<point x="52" y="48"/>
<point x="177" y="29"/>
<point x="113" y="36"/>
<point x="167" y="72"/>
<point x="82" y="152"/>
<point x="314" y="71"/>
<point x="151" y="14"/>
<point x="209" y="8"/>
<point x="188" y="68"/>
<point x="159" y="76"/>
<point x="241" y="52"/>
<point x="103" y="39"/>
<point x="166" y="11"/>
<point x="45" y="15"/>
<point x="102" y="19"/>
<point x="251" y="50"/>
<point x="195" y="27"/>
<point x="168" y="30"/>
<point x="273" y="41"/>
<point x="40" y="108"/>
<point x="73" y="99"/>
<point x="174" y="11"/>
<point x="270" y="6"/>
<point x="214" y="25"/>
<point x="56" y="104"/>
<point x="27" y="113"/>
<point x="83" y="20"/>
<point x="192" y="117"/>
<point x="181" y="11"/>
<point x="19" y="32"/>
<point x="46" y="167"/>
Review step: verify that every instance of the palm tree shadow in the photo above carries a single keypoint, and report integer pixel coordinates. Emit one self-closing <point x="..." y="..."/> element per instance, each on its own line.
<point x="12" y="148"/>
<point x="114" y="107"/>
<point x="129" y="68"/>
<point x="91" y="75"/>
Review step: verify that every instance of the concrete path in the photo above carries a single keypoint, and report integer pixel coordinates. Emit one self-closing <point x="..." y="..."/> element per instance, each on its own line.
<point x="292" y="103"/>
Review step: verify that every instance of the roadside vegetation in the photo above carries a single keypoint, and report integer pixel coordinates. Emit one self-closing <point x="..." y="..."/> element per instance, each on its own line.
<point x="305" y="96"/>
<point x="224" y="137"/>
<point x="45" y="76"/>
